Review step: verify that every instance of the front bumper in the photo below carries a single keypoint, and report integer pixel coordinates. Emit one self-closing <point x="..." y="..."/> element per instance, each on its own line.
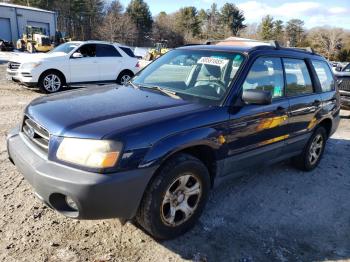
<point x="97" y="196"/>
<point x="28" y="78"/>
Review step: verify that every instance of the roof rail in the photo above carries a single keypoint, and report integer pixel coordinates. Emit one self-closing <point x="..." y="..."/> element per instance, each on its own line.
<point x="209" y="42"/>
<point x="305" y="49"/>
<point x="275" y="44"/>
<point x="272" y="43"/>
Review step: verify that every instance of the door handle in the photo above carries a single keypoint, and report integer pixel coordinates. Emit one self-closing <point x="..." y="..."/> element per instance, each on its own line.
<point x="281" y="110"/>
<point x="316" y="102"/>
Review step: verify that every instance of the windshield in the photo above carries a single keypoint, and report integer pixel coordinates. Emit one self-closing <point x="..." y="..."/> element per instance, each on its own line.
<point x="65" y="48"/>
<point x="200" y="75"/>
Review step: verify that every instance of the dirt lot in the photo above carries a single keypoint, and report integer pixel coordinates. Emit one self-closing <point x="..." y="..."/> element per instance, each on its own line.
<point x="275" y="214"/>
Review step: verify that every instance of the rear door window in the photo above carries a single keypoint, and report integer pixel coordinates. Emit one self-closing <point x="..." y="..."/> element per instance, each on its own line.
<point x="324" y="74"/>
<point x="107" y="51"/>
<point x="298" y="79"/>
<point x="128" y="51"/>
<point x="266" y="74"/>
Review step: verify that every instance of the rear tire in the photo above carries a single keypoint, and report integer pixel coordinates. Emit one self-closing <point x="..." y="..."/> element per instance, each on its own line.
<point x="313" y="151"/>
<point x="51" y="82"/>
<point x="124" y="77"/>
<point x="176" y="197"/>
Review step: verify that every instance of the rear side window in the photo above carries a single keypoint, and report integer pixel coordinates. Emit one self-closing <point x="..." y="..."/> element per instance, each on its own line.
<point x="297" y="77"/>
<point x="324" y="74"/>
<point x="107" y="51"/>
<point x="128" y="51"/>
<point x="266" y="74"/>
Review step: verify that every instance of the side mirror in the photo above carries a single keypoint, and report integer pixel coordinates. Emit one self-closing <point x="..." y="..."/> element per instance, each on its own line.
<point x="77" y="55"/>
<point x="257" y="97"/>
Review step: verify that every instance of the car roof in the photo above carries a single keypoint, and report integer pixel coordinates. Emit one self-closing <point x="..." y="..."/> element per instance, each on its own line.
<point x="98" y="42"/>
<point x="243" y="48"/>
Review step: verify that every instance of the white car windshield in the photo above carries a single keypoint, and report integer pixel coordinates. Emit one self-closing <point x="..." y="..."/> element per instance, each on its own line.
<point x="200" y="75"/>
<point x="65" y="48"/>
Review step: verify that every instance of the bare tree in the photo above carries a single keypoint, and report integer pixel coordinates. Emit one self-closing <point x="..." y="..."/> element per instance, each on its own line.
<point x="327" y="41"/>
<point x="117" y="26"/>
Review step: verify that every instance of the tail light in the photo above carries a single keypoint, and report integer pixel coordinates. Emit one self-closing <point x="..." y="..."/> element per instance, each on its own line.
<point x="137" y="64"/>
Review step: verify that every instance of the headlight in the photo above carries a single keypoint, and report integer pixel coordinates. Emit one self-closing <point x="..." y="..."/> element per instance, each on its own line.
<point x="89" y="153"/>
<point x="28" y="66"/>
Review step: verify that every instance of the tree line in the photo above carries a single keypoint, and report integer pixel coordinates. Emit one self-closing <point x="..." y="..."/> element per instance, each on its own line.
<point x="134" y="25"/>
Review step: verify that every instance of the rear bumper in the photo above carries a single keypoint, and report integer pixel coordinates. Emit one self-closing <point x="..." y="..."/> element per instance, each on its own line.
<point x="97" y="196"/>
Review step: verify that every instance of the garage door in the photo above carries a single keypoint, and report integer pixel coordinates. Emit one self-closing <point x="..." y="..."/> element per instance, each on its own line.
<point x="41" y="25"/>
<point x="5" y="29"/>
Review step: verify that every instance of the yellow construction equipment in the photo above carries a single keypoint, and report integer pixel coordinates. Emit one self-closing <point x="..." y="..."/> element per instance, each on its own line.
<point x="34" y="40"/>
<point x="159" y="49"/>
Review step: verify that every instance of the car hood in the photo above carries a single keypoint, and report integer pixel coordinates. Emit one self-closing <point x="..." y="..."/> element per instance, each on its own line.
<point x="96" y="113"/>
<point x="25" y="57"/>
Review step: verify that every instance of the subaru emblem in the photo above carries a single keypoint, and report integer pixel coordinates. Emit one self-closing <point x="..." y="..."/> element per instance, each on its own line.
<point x="31" y="132"/>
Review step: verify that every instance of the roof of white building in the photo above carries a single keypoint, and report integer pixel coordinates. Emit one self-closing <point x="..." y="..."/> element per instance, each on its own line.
<point x="25" y="7"/>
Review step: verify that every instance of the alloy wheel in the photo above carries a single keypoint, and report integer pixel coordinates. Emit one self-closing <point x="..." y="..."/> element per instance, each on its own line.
<point x="316" y="149"/>
<point x="181" y="199"/>
<point x="125" y="79"/>
<point x="52" y="83"/>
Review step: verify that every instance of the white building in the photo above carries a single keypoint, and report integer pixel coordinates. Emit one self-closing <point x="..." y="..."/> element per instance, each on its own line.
<point x="14" y="19"/>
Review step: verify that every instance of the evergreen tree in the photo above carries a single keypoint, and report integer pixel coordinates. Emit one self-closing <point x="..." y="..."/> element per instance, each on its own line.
<point x="295" y="32"/>
<point x="232" y="18"/>
<point x="267" y="28"/>
<point x="140" y="14"/>
<point x="187" y="22"/>
<point x="278" y="31"/>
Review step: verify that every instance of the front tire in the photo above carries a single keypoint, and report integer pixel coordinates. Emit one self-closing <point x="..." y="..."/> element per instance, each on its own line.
<point x="31" y="48"/>
<point x="313" y="151"/>
<point x="176" y="197"/>
<point x="50" y="82"/>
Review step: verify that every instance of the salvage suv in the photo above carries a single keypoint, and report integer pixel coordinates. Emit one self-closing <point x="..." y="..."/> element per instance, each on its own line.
<point x="152" y="150"/>
<point x="74" y="63"/>
<point x="342" y="76"/>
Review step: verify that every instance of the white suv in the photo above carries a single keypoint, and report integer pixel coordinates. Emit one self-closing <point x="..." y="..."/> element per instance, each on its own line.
<point x="74" y="63"/>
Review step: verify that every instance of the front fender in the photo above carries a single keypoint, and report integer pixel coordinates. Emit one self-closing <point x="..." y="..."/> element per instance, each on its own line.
<point x="168" y="146"/>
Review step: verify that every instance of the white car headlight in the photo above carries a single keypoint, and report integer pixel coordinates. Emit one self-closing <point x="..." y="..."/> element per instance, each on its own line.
<point x="31" y="65"/>
<point x="89" y="153"/>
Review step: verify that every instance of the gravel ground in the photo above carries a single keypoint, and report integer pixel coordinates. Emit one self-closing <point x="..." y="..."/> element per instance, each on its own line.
<point x="274" y="214"/>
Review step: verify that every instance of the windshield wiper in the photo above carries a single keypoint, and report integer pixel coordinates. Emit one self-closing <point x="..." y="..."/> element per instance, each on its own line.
<point x="133" y="85"/>
<point x="164" y="91"/>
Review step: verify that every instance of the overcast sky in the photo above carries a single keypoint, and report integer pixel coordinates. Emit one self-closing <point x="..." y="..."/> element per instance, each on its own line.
<point x="314" y="13"/>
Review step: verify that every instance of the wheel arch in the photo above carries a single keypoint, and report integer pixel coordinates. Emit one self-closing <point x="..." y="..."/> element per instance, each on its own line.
<point x="125" y="71"/>
<point x="53" y="70"/>
<point x="198" y="143"/>
<point x="327" y="124"/>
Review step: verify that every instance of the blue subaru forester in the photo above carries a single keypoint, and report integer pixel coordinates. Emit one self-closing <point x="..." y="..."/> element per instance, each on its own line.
<point x="153" y="149"/>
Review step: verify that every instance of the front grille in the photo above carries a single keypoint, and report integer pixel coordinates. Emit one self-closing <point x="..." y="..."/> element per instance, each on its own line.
<point x="13" y="65"/>
<point x="344" y="84"/>
<point x="36" y="134"/>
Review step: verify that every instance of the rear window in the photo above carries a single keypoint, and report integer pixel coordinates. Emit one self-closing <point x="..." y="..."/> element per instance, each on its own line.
<point x="324" y="74"/>
<point x="297" y="77"/>
<point x="128" y="51"/>
<point x="107" y="51"/>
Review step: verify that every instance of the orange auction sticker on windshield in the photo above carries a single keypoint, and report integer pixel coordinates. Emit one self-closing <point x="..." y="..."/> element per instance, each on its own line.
<point x="212" y="61"/>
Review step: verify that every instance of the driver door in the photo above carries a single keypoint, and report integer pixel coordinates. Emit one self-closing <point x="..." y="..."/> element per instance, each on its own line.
<point x="84" y="68"/>
<point x="257" y="133"/>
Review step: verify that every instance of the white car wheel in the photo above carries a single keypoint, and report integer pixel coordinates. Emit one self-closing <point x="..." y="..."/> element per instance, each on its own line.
<point x="51" y="83"/>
